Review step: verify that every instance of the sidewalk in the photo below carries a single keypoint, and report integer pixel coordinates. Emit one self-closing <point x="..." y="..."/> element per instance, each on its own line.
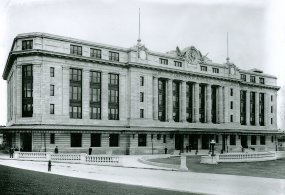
<point x="174" y="180"/>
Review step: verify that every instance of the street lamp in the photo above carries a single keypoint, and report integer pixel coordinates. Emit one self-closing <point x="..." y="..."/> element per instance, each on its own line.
<point x="212" y="145"/>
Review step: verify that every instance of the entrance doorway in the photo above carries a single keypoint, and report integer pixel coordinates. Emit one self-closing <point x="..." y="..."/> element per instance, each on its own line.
<point x="179" y="142"/>
<point x="205" y="142"/>
<point x="224" y="141"/>
<point x="193" y="142"/>
<point x="243" y="141"/>
<point x="26" y="142"/>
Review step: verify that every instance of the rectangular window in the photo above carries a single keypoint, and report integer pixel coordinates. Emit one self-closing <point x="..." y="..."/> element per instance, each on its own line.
<point x="163" y="61"/>
<point x="51" y="90"/>
<point x="204" y="68"/>
<point x="52" y="138"/>
<point x="95" y="95"/>
<point x="262" y="140"/>
<point x="261" y="109"/>
<point x="253" y="140"/>
<point x="243" y="107"/>
<point x="177" y="64"/>
<point x="271" y="98"/>
<point x="95" y="113"/>
<point x="161" y="99"/>
<point x="27" y="91"/>
<point x="75" y="139"/>
<point x="252" y="108"/>
<point x="51" y="70"/>
<point x="232" y="91"/>
<point x="164" y="138"/>
<point x="95" y="53"/>
<point x="271" y="121"/>
<point x="252" y="79"/>
<point x="141" y="97"/>
<point x="75" y="93"/>
<point x="232" y="139"/>
<point x="27" y="44"/>
<point x="141" y="113"/>
<point x="51" y="109"/>
<point x="232" y="118"/>
<point x="141" y="81"/>
<point x="113" y="96"/>
<point x="232" y="105"/>
<point x="142" y="140"/>
<point x="243" y="77"/>
<point x="114" y="140"/>
<point x="158" y="137"/>
<point x="95" y="140"/>
<point x="271" y="109"/>
<point x="113" y="56"/>
<point x="261" y="80"/>
<point x="215" y="70"/>
<point x="175" y="99"/>
<point x="76" y="50"/>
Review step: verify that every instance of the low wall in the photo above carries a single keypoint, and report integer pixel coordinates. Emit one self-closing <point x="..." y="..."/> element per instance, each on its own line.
<point x="246" y="157"/>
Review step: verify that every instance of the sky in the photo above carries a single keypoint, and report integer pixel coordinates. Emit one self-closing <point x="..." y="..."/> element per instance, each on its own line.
<point x="256" y="29"/>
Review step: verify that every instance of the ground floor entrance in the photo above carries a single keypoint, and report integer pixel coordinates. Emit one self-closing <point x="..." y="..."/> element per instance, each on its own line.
<point x="26" y="142"/>
<point x="179" y="142"/>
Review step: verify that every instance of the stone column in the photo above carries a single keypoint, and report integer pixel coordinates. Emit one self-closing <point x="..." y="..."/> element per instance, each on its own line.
<point x="209" y="103"/>
<point x="155" y="98"/>
<point x="256" y="109"/>
<point x="196" y="102"/>
<point x="266" y="110"/>
<point x="104" y="96"/>
<point x="169" y="101"/>
<point x="65" y="92"/>
<point x="247" y="107"/>
<point x="183" y="101"/>
<point x="122" y="97"/>
<point x="85" y="94"/>
<point x="226" y="104"/>
<point x="221" y="106"/>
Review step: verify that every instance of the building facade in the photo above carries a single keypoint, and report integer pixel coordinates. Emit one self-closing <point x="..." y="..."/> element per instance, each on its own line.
<point x="76" y="94"/>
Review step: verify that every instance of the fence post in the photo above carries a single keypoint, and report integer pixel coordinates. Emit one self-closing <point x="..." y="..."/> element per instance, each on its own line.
<point x="83" y="157"/>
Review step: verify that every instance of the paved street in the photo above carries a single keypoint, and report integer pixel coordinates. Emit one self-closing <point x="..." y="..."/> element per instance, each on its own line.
<point x="165" y="179"/>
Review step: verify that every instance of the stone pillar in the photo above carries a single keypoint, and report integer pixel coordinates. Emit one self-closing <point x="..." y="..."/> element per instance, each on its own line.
<point x="104" y="96"/>
<point x="256" y="109"/>
<point x="183" y="101"/>
<point x="65" y="92"/>
<point x="266" y="110"/>
<point x="155" y="98"/>
<point x="221" y="106"/>
<point x="226" y="105"/>
<point x="85" y="94"/>
<point x="169" y="101"/>
<point x="196" y="102"/>
<point x="209" y="103"/>
<point x="122" y="97"/>
<point x="247" y="107"/>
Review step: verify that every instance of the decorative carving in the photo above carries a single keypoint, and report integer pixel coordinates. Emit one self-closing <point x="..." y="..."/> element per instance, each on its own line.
<point x="192" y="55"/>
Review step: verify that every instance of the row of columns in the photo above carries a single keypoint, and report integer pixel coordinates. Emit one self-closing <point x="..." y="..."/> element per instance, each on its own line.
<point x="196" y="102"/>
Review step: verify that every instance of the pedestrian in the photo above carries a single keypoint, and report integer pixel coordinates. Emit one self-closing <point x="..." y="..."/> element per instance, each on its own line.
<point x="10" y="151"/>
<point x="49" y="166"/>
<point x="56" y="150"/>
<point x="90" y="150"/>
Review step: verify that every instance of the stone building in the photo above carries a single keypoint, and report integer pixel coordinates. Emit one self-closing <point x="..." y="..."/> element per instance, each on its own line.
<point x="75" y="94"/>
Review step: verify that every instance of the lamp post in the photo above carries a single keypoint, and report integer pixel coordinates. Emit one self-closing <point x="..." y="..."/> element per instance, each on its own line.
<point x="212" y="145"/>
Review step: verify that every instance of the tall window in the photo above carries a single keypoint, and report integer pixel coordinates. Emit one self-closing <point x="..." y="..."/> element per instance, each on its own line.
<point x="113" y="56"/>
<point x="51" y="109"/>
<point x="232" y="91"/>
<point x="204" y="68"/>
<point x="243" y="77"/>
<point x="232" y="140"/>
<point x="51" y="90"/>
<point x="142" y="140"/>
<point x="76" y="50"/>
<point x="177" y="64"/>
<point x="161" y="99"/>
<point x="214" y="104"/>
<point x="141" y="113"/>
<point x="75" y="93"/>
<point x="27" y="44"/>
<point x="141" y="81"/>
<point x="163" y="61"/>
<point x="175" y="99"/>
<point x="51" y="70"/>
<point x="75" y="139"/>
<point x="113" y="96"/>
<point x="243" y="107"/>
<point x="114" y="140"/>
<point x="252" y="79"/>
<point x="261" y="109"/>
<point x="27" y="91"/>
<point x="95" y="140"/>
<point x="189" y="104"/>
<point x="202" y="94"/>
<point x="95" y="53"/>
<point x="232" y="105"/>
<point x="262" y="140"/>
<point x="141" y="96"/>
<point x="95" y="95"/>
<point x="252" y="108"/>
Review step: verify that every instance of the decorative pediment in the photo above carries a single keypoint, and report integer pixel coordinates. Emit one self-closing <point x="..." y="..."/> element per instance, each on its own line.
<point x="192" y="55"/>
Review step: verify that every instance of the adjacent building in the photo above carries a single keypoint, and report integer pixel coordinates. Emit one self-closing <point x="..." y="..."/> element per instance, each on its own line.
<point x="76" y="94"/>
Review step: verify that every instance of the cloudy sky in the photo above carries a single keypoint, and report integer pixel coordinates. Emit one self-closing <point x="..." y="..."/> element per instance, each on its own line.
<point x="256" y="29"/>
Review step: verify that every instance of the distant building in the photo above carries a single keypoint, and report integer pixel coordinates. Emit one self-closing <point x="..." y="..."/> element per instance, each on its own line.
<point x="75" y="94"/>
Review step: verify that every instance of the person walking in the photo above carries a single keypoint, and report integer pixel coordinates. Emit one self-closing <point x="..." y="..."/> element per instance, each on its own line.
<point x="56" y="150"/>
<point x="10" y="151"/>
<point x="90" y="150"/>
<point x="49" y="166"/>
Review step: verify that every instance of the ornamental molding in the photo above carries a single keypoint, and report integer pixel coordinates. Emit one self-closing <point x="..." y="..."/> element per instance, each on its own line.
<point x="192" y="55"/>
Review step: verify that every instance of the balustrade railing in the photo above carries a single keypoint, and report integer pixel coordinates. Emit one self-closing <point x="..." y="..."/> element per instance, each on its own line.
<point x="246" y="156"/>
<point x="102" y="159"/>
<point x="65" y="157"/>
<point x="32" y="155"/>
